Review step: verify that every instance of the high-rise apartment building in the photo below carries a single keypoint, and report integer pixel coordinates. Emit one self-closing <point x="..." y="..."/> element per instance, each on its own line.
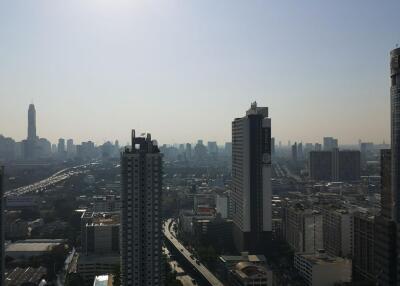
<point x="61" y="146"/>
<point x="294" y="152"/>
<point x="320" y="165"/>
<point x="141" y="167"/>
<point x="338" y="231"/>
<point x="251" y="179"/>
<point x="70" y="147"/>
<point x="334" y="165"/>
<point x="363" y="247"/>
<point x="2" y="257"/>
<point x="387" y="230"/>
<point x="302" y="228"/>
<point x="330" y="143"/>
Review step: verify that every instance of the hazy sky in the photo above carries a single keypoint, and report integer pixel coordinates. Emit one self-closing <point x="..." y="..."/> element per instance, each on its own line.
<point x="183" y="70"/>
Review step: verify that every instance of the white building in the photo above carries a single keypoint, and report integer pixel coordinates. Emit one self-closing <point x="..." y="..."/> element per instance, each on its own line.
<point x="322" y="270"/>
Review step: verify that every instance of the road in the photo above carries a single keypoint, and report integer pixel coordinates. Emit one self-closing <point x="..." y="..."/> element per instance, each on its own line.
<point x="49" y="182"/>
<point x="200" y="268"/>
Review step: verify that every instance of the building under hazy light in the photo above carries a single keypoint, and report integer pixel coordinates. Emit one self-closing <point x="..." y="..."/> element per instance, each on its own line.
<point x="141" y="213"/>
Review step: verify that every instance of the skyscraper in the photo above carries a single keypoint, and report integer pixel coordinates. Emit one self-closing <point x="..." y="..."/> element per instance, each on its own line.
<point x="395" y="128"/>
<point x="251" y="178"/>
<point x="61" y="147"/>
<point x="294" y="152"/>
<point x="1" y="227"/>
<point x="141" y="167"/>
<point x="31" y="122"/>
<point x="387" y="230"/>
<point x="30" y="143"/>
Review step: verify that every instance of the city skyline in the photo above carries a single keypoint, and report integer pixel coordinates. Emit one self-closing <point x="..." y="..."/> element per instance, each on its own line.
<point x="121" y="56"/>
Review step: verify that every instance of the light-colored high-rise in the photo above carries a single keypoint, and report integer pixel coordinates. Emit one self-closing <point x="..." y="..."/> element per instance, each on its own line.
<point x="251" y="178"/>
<point x="141" y="167"/>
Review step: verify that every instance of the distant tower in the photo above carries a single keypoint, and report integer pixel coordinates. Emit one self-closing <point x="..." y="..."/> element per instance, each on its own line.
<point x="31" y="122"/>
<point x="141" y="238"/>
<point x="251" y="178"/>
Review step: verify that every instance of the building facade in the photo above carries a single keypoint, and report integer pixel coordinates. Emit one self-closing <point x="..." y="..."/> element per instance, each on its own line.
<point x="141" y="167"/>
<point x="2" y="209"/>
<point x="251" y="179"/>
<point x="335" y="165"/>
<point x="363" y="247"/>
<point x="303" y="229"/>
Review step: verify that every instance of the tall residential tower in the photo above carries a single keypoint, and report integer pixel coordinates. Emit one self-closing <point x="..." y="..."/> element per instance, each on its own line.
<point x="141" y="167"/>
<point x="251" y="172"/>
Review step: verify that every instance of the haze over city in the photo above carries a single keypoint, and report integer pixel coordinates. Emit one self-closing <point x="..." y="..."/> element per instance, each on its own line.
<point x="184" y="69"/>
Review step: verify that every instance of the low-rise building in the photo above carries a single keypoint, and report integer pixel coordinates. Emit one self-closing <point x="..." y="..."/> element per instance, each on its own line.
<point x="26" y="276"/>
<point x="230" y="269"/>
<point x="248" y="274"/>
<point x="93" y="265"/>
<point x="24" y="249"/>
<point x="321" y="269"/>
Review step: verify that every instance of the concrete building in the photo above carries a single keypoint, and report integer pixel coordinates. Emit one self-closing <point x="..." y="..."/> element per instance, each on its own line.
<point x="109" y="203"/>
<point x="2" y="210"/>
<point x="61" y="147"/>
<point x="103" y="280"/>
<point x="338" y="231"/>
<point x="247" y="274"/>
<point x="244" y="269"/>
<point x="395" y="128"/>
<point x="100" y="235"/>
<point x="222" y="205"/>
<point x="323" y="270"/>
<point x="330" y="143"/>
<point x="141" y="167"/>
<point x="320" y="165"/>
<point x="24" y="249"/>
<point x="385" y="246"/>
<point x="30" y="144"/>
<point x="251" y="180"/>
<point x="335" y="165"/>
<point x="294" y="152"/>
<point x="90" y="266"/>
<point x="387" y="230"/>
<point x="363" y="247"/>
<point x="212" y="147"/>
<point x="71" y="150"/>
<point x="303" y="229"/>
